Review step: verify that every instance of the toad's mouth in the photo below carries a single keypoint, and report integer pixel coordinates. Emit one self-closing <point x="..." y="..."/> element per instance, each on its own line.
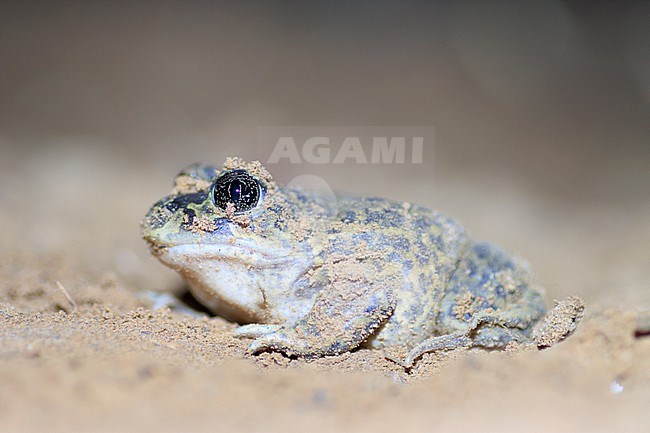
<point x="235" y="251"/>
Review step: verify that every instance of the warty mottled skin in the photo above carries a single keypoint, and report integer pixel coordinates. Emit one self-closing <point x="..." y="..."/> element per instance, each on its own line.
<point x="310" y="276"/>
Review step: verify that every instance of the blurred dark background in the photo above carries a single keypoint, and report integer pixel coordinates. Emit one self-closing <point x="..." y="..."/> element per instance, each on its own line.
<point x="541" y="111"/>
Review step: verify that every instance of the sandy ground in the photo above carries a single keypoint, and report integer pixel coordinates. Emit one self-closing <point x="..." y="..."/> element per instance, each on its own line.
<point x="84" y="348"/>
<point x="541" y="145"/>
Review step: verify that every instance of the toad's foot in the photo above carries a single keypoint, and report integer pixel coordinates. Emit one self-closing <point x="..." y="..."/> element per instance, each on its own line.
<point x="284" y="340"/>
<point x="266" y="336"/>
<point x="559" y="323"/>
<point x="271" y="337"/>
<point x="255" y="330"/>
<point x="496" y="331"/>
<point x="487" y="330"/>
<point x="443" y="342"/>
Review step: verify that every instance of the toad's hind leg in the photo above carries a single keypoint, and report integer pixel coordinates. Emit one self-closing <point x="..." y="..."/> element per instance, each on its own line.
<point x="490" y="301"/>
<point x="485" y="330"/>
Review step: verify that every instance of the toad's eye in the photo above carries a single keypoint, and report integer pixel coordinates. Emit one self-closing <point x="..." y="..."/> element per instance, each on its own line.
<point x="239" y="188"/>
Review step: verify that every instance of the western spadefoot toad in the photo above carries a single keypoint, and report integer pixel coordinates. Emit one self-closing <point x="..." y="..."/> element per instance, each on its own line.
<point x="310" y="276"/>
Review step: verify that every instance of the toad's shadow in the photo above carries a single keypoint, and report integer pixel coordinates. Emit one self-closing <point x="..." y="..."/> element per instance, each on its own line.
<point x="186" y="299"/>
<point x="179" y="300"/>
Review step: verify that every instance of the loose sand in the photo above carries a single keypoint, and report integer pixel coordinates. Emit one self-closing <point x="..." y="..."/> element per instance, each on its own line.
<point x="81" y="348"/>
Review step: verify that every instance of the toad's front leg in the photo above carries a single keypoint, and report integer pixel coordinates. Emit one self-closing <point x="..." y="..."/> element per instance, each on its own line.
<point x="344" y="315"/>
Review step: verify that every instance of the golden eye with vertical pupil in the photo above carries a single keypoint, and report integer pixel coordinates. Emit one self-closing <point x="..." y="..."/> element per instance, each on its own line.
<point x="239" y="188"/>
